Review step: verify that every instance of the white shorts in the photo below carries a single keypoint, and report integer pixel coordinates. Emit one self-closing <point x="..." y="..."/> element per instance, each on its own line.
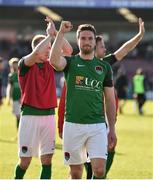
<point x="36" y="135"/>
<point x="88" y="159"/>
<point x="16" y="108"/>
<point x="79" y="139"/>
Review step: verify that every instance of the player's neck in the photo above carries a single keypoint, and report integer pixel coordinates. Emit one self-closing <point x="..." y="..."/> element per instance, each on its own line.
<point x="87" y="56"/>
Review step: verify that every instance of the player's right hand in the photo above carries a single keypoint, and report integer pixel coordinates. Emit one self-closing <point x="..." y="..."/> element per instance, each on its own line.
<point x="65" y="26"/>
<point x="61" y="135"/>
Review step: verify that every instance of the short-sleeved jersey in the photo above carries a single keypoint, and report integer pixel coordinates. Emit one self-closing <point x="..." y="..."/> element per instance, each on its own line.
<point x="110" y="58"/>
<point x="61" y="109"/>
<point x="13" y="80"/>
<point x="85" y="81"/>
<point x="38" y="88"/>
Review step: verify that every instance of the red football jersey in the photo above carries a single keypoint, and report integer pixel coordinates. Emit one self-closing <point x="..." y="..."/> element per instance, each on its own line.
<point x="38" y="87"/>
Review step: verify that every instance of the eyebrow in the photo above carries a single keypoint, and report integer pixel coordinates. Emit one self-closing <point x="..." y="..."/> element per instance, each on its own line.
<point x="89" y="37"/>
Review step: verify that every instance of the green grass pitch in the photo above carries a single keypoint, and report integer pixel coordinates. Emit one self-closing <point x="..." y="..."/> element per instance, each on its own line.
<point x="134" y="151"/>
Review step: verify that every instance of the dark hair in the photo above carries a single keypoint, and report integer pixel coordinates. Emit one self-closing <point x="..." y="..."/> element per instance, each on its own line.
<point x="99" y="38"/>
<point x="86" y="27"/>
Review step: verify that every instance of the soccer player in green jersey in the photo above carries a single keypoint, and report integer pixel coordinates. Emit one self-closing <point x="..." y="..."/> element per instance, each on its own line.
<point x="87" y="80"/>
<point x="100" y="52"/>
<point x="118" y="55"/>
<point x="13" y="89"/>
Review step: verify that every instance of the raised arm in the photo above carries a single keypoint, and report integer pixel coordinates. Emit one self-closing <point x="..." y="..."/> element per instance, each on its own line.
<point x="36" y="55"/>
<point x="131" y="44"/>
<point x="44" y="42"/>
<point x="56" y="59"/>
<point x="111" y="115"/>
<point x="67" y="48"/>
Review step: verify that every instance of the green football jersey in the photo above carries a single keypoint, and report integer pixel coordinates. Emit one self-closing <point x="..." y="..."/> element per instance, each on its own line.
<point x="85" y="81"/>
<point x="110" y="58"/>
<point x="13" y="79"/>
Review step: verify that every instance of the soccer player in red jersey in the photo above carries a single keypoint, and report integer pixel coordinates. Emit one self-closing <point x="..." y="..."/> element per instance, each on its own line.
<point x="38" y="100"/>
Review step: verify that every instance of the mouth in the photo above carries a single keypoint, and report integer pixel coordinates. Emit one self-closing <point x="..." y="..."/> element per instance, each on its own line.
<point x="87" y="46"/>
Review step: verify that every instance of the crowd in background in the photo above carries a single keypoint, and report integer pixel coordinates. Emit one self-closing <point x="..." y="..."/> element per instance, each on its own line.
<point x="143" y="53"/>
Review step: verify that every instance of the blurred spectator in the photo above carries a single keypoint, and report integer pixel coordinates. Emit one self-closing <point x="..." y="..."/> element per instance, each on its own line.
<point x="121" y="85"/>
<point x="13" y="89"/>
<point x="5" y="73"/>
<point x="139" y="86"/>
<point x="149" y="52"/>
<point x="22" y="47"/>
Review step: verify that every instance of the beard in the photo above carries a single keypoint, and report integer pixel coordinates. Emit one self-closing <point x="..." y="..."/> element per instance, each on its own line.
<point x="87" y="51"/>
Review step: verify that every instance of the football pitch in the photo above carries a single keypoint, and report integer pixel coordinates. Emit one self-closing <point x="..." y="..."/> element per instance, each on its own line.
<point x="134" y="151"/>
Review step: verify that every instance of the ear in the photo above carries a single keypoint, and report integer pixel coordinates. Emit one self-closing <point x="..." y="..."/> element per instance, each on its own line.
<point x="77" y="40"/>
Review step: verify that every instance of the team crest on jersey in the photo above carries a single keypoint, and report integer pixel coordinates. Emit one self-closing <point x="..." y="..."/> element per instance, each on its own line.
<point x="67" y="156"/>
<point x="24" y="149"/>
<point x="99" y="69"/>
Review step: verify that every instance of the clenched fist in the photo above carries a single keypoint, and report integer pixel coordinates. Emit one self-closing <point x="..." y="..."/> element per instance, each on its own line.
<point x="65" y="26"/>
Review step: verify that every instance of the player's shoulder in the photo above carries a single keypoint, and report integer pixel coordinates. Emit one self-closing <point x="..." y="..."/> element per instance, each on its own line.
<point x="21" y="62"/>
<point x="102" y="62"/>
<point x="110" y="58"/>
<point x="10" y="74"/>
<point x="72" y="58"/>
<point x="68" y="58"/>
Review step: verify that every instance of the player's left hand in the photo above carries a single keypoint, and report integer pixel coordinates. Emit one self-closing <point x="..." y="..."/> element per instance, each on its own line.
<point x="65" y="26"/>
<point x="112" y="139"/>
<point x="141" y="27"/>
